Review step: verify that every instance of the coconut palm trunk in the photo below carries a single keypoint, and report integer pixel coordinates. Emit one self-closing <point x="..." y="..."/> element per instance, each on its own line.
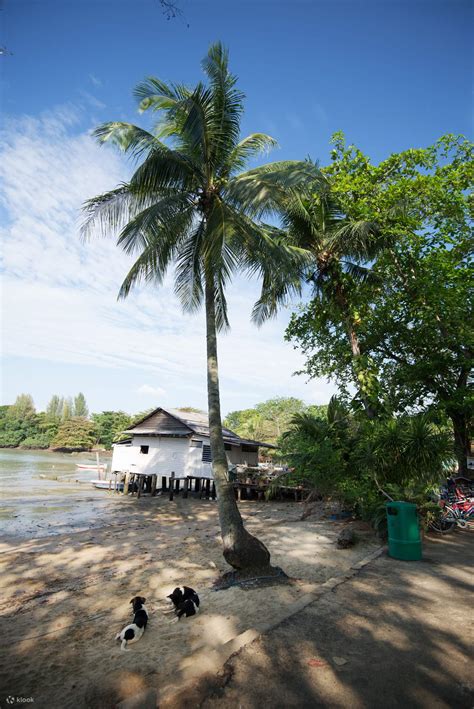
<point x="188" y="206"/>
<point x="241" y="549"/>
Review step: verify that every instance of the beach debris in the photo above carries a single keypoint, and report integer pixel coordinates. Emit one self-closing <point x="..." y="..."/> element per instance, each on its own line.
<point x="317" y="662"/>
<point x="346" y="538"/>
<point x="340" y="661"/>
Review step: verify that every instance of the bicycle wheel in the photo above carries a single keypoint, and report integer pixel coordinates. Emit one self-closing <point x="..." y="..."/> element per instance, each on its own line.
<point x="443" y="525"/>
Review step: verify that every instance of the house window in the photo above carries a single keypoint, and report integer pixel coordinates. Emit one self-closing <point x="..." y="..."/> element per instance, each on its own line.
<point x="195" y="443"/>
<point x="206" y="454"/>
<point x="144" y="449"/>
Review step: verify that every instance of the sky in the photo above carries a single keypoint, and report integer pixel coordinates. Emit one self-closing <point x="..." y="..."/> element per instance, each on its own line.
<point x="392" y="75"/>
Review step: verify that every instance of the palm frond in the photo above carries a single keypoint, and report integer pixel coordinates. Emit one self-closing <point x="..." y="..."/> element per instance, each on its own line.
<point x="109" y="212"/>
<point x="246" y="149"/>
<point x="189" y="271"/>
<point x="265" y="190"/>
<point x="160" y="245"/>
<point x="155" y="218"/>
<point x="128" y="138"/>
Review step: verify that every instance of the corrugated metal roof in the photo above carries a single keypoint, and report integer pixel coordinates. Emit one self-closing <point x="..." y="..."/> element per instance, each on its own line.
<point x="195" y="422"/>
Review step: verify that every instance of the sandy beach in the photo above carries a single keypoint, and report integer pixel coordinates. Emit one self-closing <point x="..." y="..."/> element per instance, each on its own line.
<point x="64" y="597"/>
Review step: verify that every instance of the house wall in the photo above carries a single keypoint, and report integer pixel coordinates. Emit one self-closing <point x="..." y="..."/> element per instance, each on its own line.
<point x="167" y="454"/>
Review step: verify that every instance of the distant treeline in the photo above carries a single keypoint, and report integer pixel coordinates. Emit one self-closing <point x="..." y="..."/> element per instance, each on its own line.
<point x="65" y="425"/>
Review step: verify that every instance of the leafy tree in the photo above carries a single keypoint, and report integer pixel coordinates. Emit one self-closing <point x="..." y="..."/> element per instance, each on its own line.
<point x="187" y="206"/>
<point x="54" y="408"/>
<point x="75" y="434"/>
<point x="190" y="410"/>
<point x="360" y="461"/>
<point x="278" y="413"/>
<point x="23" y="408"/>
<point x="413" y="317"/>
<point x="40" y="440"/>
<point x="268" y="420"/>
<point x="110" y="425"/>
<point x="80" y="406"/>
<point x="340" y="247"/>
<point x="68" y="409"/>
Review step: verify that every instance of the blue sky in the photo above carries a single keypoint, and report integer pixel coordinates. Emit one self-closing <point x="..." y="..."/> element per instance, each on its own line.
<point x="392" y="75"/>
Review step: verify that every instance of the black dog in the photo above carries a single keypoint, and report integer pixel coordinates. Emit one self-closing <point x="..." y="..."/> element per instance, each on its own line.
<point x="185" y="601"/>
<point x="133" y="632"/>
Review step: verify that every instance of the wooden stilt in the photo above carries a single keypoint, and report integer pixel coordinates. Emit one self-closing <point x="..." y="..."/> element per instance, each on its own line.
<point x="126" y="483"/>
<point x="171" y="485"/>
<point x="213" y="492"/>
<point x="163" y="483"/>
<point x="208" y="489"/>
<point x="185" y="487"/>
<point x="154" y="480"/>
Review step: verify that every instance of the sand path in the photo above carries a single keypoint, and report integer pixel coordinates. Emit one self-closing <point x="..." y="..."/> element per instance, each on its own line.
<point x="65" y="597"/>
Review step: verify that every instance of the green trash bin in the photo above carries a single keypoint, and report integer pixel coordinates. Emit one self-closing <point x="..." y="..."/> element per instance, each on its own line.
<point x="404" y="541"/>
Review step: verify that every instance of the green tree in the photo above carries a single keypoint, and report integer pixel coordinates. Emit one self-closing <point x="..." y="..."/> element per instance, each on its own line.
<point x="54" y="408"/>
<point x="414" y="316"/>
<point x="68" y="409"/>
<point x="110" y="426"/>
<point x="75" y="434"/>
<point x="341" y="247"/>
<point x="187" y="205"/>
<point x="23" y="408"/>
<point x="80" y="406"/>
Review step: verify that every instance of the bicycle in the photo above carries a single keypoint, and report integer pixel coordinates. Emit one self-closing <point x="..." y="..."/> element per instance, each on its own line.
<point x="457" y="514"/>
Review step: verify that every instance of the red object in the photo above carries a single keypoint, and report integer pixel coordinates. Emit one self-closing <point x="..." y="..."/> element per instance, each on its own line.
<point x="314" y="662"/>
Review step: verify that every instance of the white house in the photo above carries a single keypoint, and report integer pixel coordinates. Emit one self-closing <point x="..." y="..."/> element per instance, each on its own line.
<point x="169" y="440"/>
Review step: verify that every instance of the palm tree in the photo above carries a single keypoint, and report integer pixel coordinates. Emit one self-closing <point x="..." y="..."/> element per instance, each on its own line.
<point x="340" y="249"/>
<point x="187" y="206"/>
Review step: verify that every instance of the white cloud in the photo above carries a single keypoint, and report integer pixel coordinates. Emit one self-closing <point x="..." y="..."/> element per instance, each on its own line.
<point x="148" y="390"/>
<point x="60" y="294"/>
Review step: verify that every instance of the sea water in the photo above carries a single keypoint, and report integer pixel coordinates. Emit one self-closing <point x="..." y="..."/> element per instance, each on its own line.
<point x="62" y="500"/>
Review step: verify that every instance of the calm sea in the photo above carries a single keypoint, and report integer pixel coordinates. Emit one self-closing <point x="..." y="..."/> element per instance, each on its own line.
<point x="43" y="493"/>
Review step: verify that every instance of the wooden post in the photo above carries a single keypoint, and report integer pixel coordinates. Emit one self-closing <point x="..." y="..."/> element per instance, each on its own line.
<point x="185" y="487"/>
<point x="141" y="482"/>
<point x="154" y="480"/>
<point x="197" y="487"/>
<point x="178" y="482"/>
<point x="213" y="493"/>
<point x="163" y="483"/>
<point x="126" y="483"/>
<point x="171" y="485"/>
<point x="208" y="489"/>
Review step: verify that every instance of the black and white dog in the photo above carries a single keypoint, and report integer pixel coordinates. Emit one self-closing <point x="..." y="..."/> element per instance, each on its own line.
<point x="185" y="601"/>
<point x="133" y="632"/>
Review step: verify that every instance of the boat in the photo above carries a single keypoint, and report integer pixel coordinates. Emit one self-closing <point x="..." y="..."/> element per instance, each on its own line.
<point x="107" y="485"/>
<point x="103" y="466"/>
<point x="93" y="466"/>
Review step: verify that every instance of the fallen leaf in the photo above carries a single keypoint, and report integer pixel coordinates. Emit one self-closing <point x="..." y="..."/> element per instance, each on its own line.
<point x="340" y="661"/>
